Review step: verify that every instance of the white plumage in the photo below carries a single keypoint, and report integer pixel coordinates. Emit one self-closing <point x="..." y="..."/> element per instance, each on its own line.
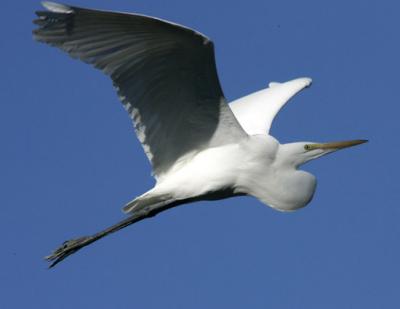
<point x="199" y="146"/>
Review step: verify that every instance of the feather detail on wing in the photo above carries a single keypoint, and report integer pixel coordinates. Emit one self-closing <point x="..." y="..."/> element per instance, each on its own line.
<point x="164" y="73"/>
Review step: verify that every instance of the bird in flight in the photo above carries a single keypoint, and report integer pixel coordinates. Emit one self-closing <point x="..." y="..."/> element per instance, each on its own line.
<point x="200" y="148"/>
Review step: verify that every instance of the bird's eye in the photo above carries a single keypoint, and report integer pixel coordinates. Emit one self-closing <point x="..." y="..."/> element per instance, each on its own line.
<point x="307" y="147"/>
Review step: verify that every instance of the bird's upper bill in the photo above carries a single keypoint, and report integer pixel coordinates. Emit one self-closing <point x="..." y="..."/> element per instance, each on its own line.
<point x="335" y="145"/>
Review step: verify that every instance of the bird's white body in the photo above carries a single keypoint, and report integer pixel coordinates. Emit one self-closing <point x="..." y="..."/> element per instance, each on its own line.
<point x="252" y="167"/>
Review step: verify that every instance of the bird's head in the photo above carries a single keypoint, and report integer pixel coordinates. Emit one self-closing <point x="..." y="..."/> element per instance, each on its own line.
<point x="301" y="152"/>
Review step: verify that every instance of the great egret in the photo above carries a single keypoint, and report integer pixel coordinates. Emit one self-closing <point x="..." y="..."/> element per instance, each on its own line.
<point x="200" y="147"/>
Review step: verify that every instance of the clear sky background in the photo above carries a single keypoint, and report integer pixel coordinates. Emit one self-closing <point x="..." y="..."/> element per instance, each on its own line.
<point x="70" y="161"/>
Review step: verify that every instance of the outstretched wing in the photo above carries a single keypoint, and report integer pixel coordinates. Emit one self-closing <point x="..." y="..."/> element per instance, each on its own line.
<point x="256" y="111"/>
<point x="165" y="75"/>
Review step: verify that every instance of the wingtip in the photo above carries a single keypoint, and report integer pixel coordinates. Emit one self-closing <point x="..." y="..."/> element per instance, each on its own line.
<point x="307" y="81"/>
<point x="56" y="7"/>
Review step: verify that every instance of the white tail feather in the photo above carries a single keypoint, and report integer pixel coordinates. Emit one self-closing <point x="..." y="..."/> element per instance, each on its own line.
<point x="145" y="200"/>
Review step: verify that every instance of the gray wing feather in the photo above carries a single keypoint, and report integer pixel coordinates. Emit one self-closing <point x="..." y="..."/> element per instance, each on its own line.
<point x="165" y="76"/>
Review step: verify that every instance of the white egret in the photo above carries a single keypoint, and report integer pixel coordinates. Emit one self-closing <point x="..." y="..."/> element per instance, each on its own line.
<point x="200" y="147"/>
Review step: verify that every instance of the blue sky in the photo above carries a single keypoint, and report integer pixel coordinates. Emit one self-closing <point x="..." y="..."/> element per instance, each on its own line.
<point x="70" y="160"/>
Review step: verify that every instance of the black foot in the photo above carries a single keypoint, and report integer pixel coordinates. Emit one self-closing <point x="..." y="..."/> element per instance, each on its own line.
<point x="67" y="248"/>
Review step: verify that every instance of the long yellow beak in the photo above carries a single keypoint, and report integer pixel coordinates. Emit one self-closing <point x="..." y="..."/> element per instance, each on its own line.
<point x="336" y="145"/>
